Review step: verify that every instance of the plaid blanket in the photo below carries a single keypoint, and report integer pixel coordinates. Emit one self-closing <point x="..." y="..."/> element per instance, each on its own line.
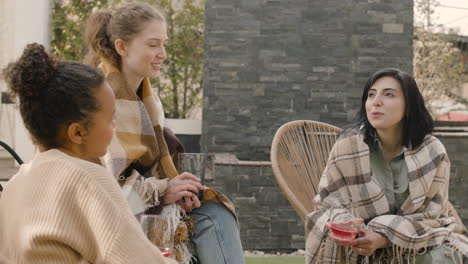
<point x="138" y="155"/>
<point x="139" y="158"/>
<point x="422" y="222"/>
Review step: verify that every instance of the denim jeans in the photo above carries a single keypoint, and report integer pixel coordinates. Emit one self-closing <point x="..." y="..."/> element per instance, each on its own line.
<point x="216" y="238"/>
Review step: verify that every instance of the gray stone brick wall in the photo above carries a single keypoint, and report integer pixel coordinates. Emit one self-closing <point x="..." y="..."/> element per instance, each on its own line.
<point x="269" y="222"/>
<point x="457" y="149"/>
<point x="271" y="61"/>
<point x="268" y="62"/>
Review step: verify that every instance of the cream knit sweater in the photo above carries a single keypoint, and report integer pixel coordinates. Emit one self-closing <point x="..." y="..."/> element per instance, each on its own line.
<point x="60" y="209"/>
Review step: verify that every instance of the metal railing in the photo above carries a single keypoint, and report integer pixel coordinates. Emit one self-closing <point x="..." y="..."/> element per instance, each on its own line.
<point x="12" y="153"/>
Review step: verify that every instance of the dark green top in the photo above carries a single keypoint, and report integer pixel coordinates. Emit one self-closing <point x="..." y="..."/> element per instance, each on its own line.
<point x="392" y="175"/>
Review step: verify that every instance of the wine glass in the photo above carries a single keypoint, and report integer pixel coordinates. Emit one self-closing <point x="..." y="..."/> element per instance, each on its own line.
<point x="194" y="163"/>
<point x="197" y="164"/>
<point x="346" y="227"/>
<point x="160" y="231"/>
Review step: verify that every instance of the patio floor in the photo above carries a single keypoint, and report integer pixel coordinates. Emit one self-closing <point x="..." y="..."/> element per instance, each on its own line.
<point x="275" y="260"/>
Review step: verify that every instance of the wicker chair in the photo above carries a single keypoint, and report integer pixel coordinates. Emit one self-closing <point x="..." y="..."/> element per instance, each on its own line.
<point x="299" y="154"/>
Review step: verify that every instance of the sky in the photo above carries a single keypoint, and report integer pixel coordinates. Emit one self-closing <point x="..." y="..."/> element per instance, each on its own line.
<point x="451" y="14"/>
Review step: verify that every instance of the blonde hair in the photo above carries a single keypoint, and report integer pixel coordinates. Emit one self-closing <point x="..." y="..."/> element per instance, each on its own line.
<point x="105" y="26"/>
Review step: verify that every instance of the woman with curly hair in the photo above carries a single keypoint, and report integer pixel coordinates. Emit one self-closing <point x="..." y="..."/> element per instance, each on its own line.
<point x="389" y="172"/>
<point x="61" y="207"/>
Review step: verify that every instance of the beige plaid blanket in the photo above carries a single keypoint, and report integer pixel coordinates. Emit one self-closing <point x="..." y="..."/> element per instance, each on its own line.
<point x="421" y="223"/>
<point x="139" y="158"/>
<point x="138" y="146"/>
<point x="138" y="155"/>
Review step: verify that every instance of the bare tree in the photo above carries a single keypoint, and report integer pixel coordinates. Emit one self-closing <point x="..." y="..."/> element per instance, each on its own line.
<point x="438" y="64"/>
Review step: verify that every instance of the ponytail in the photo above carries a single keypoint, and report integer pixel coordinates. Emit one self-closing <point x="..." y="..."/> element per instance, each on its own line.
<point x="106" y="26"/>
<point x="99" y="41"/>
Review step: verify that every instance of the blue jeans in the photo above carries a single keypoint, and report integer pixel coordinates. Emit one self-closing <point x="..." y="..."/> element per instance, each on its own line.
<point x="216" y="238"/>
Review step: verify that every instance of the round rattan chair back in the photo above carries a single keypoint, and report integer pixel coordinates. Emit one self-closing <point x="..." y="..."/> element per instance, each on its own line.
<point x="299" y="154"/>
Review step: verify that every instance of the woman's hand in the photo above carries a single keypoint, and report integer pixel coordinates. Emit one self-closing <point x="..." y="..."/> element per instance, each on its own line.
<point x="369" y="242"/>
<point x="183" y="185"/>
<point x="357" y="222"/>
<point x="189" y="203"/>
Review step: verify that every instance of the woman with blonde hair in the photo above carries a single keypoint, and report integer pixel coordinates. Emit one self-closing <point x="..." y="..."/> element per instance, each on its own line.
<point x="129" y="44"/>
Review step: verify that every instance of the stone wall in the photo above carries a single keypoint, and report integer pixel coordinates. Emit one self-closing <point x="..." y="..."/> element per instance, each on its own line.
<point x="269" y="222"/>
<point x="457" y="149"/>
<point x="271" y="61"/>
<point x="268" y="62"/>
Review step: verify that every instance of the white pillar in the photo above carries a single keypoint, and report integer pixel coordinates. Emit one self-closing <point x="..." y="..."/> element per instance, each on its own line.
<point x="7" y="111"/>
<point x="26" y="22"/>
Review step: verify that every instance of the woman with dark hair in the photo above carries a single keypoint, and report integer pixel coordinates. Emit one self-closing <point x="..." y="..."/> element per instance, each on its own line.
<point x="416" y="121"/>
<point x="61" y="207"/>
<point x="391" y="174"/>
<point x="129" y="44"/>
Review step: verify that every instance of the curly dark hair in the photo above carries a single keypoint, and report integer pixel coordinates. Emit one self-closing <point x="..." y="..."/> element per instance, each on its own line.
<point x="52" y="94"/>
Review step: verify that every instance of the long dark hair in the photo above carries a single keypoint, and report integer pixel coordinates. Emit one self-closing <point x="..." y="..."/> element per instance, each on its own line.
<point x="417" y="122"/>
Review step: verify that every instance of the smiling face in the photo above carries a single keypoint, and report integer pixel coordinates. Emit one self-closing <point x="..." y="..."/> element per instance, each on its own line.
<point x="145" y="53"/>
<point x="385" y="105"/>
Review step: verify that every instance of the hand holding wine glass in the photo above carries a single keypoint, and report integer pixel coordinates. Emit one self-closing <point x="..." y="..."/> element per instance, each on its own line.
<point x="183" y="185"/>
<point x="196" y="164"/>
<point x="345" y="229"/>
<point x="368" y="242"/>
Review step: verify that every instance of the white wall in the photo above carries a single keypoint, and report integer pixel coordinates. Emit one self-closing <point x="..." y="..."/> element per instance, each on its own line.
<point x="26" y="21"/>
<point x="7" y="112"/>
<point x="23" y="22"/>
<point x="184" y="126"/>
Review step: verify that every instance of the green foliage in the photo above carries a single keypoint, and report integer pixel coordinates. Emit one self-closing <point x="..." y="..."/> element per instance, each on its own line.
<point x="180" y="83"/>
<point x="68" y="25"/>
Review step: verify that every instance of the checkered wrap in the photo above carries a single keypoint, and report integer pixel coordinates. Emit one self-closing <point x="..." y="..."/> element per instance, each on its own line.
<point x="421" y="223"/>
<point x="138" y="141"/>
<point x="138" y="155"/>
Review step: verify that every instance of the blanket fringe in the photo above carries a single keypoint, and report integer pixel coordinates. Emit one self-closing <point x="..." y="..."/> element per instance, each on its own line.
<point x="455" y="254"/>
<point x="393" y="255"/>
<point x="322" y="249"/>
<point x="400" y="255"/>
<point x="177" y="216"/>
